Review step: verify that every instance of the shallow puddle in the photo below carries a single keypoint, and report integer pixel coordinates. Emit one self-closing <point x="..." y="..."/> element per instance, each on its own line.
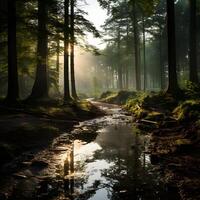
<point x="114" y="166"/>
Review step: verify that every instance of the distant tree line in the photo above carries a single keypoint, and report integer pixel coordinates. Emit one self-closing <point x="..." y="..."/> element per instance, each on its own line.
<point x="151" y="44"/>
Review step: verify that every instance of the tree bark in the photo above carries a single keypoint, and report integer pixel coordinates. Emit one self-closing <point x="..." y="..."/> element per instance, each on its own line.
<point x="58" y="60"/>
<point x="172" y="74"/>
<point x="73" y="83"/>
<point x="144" y="52"/>
<point x="162" y="70"/>
<point x="136" y="41"/>
<point x="58" y="65"/>
<point x="40" y="87"/>
<point x="67" y="96"/>
<point x="120" y="85"/>
<point x="193" y="43"/>
<point x="13" y="85"/>
<point x="127" y="52"/>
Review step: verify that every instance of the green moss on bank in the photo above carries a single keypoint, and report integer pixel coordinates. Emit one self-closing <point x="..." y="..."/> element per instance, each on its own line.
<point x="117" y="97"/>
<point x="188" y="110"/>
<point x="52" y="109"/>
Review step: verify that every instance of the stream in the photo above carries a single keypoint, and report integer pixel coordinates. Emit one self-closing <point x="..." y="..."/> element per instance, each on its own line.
<point x="101" y="159"/>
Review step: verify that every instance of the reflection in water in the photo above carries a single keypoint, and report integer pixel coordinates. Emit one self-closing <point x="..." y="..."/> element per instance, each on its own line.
<point x="68" y="173"/>
<point x="112" y="167"/>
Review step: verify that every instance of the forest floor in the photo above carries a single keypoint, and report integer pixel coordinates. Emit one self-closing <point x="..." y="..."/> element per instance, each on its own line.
<point x="31" y="127"/>
<point x="102" y="158"/>
<point x="174" y="126"/>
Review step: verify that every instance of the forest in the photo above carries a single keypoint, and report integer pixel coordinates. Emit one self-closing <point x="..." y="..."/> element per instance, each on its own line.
<point x="99" y="99"/>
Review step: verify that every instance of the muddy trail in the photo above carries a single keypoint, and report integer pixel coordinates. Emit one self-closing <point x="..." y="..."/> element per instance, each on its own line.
<point x="100" y="159"/>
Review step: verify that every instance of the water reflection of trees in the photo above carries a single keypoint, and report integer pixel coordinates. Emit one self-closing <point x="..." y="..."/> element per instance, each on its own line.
<point x="130" y="177"/>
<point x="69" y="183"/>
<point x="68" y="173"/>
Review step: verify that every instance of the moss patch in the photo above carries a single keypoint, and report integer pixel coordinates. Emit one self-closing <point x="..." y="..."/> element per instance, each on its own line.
<point x="188" y="110"/>
<point x="120" y="97"/>
<point x="52" y="109"/>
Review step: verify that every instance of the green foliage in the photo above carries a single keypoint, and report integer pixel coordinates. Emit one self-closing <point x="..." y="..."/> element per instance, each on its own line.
<point x="188" y="110"/>
<point x="134" y="105"/>
<point x="107" y="94"/>
<point x="154" y="100"/>
<point x="192" y="90"/>
<point x="120" y="97"/>
<point x="147" y="6"/>
<point x="151" y="105"/>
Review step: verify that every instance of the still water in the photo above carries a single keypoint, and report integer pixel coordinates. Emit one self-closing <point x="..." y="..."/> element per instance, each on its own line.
<point x="113" y="166"/>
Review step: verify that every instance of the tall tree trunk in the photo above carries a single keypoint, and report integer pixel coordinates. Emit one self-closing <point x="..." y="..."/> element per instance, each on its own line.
<point x="144" y="52"/>
<point x="58" y="59"/>
<point x="40" y="87"/>
<point x="13" y="85"/>
<point x="112" y="78"/>
<point x="58" y="64"/>
<point x="67" y="97"/>
<point x="120" y="85"/>
<point x="127" y="77"/>
<point x="173" y="83"/>
<point x="73" y="83"/>
<point x="162" y="70"/>
<point x="193" y="43"/>
<point x="136" y="41"/>
<point x="127" y="52"/>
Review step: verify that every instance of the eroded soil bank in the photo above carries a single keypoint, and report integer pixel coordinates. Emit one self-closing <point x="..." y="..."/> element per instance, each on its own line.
<point x="175" y="142"/>
<point x="173" y="122"/>
<point x="103" y="158"/>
